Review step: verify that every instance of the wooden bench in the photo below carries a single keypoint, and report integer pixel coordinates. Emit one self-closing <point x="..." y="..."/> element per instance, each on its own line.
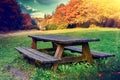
<point x="36" y="55"/>
<point x="95" y="54"/>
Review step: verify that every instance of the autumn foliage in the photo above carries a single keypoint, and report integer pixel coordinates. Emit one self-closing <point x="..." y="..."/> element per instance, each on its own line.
<point x="77" y="13"/>
<point x="70" y="12"/>
<point x="10" y="15"/>
<point x="12" y="19"/>
<point x="26" y="21"/>
<point x="86" y="12"/>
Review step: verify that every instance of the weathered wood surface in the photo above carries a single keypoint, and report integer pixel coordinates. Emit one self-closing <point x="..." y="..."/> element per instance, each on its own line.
<point x="58" y="54"/>
<point x="65" y="40"/>
<point x="86" y="53"/>
<point x="95" y="54"/>
<point x="34" y="44"/>
<point x="71" y="59"/>
<point x="36" y="55"/>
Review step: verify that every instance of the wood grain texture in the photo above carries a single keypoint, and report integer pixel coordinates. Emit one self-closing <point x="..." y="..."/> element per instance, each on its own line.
<point x="58" y="54"/>
<point x="34" y="44"/>
<point x="86" y="54"/>
<point x="95" y="54"/>
<point x="36" y="55"/>
<point x="65" y="40"/>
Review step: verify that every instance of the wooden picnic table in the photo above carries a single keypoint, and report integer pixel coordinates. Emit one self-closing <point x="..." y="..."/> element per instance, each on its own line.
<point x="61" y="42"/>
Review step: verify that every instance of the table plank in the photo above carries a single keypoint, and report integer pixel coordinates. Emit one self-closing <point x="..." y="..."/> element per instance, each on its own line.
<point x="65" y="40"/>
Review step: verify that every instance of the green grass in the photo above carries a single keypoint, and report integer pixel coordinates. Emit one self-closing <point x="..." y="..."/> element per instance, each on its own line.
<point x="109" y="42"/>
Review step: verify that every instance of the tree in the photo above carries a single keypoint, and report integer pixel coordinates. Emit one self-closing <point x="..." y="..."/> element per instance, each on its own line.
<point x="10" y="15"/>
<point x="88" y="11"/>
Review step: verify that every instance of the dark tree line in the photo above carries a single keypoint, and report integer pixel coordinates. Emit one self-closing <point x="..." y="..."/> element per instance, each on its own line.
<point x="10" y="15"/>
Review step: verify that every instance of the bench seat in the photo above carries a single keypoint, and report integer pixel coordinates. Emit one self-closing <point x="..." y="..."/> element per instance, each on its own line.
<point x="95" y="54"/>
<point x="36" y="55"/>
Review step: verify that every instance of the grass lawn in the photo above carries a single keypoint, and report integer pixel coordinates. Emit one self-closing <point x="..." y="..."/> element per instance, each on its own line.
<point x="102" y="69"/>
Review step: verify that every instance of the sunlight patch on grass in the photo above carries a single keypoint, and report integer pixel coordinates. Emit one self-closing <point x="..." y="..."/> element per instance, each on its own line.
<point x="32" y="32"/>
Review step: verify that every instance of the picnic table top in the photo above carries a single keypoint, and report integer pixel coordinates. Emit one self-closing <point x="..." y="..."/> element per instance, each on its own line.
<point x="62" y="39"/>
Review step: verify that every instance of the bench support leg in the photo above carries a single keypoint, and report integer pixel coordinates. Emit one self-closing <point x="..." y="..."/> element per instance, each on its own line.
<point x="58" y="54"/>
<point x="86" y="53"/>
<point x="34" y="44"/>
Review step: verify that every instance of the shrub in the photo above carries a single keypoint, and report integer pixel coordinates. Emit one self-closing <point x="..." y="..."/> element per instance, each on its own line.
<point x="56" y="26"/>
<point x="51" y="27"/>
<point x="62" y="26"/>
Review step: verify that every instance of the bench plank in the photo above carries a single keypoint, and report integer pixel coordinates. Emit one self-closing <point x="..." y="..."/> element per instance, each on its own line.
<point x="36" y="55"/>
<point x="29" y="54"/>
<point x="95" y="54"/>
<point x="42" y="55"/>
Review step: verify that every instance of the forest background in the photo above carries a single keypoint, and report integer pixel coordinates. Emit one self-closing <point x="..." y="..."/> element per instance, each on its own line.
<point x="75" y="13"/>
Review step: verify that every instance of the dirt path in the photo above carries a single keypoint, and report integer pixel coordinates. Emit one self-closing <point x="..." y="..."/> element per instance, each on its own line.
<point x="28" y="32"/>
<point x="18" y="74"/>
<point x="15" y="33"/>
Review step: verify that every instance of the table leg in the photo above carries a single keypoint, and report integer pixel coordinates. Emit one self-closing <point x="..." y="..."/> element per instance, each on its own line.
<point x="58" y="54"/>
<point x="86" y="53"/>
<point x="34" y="44"/>
<point x="54" y="45"/>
